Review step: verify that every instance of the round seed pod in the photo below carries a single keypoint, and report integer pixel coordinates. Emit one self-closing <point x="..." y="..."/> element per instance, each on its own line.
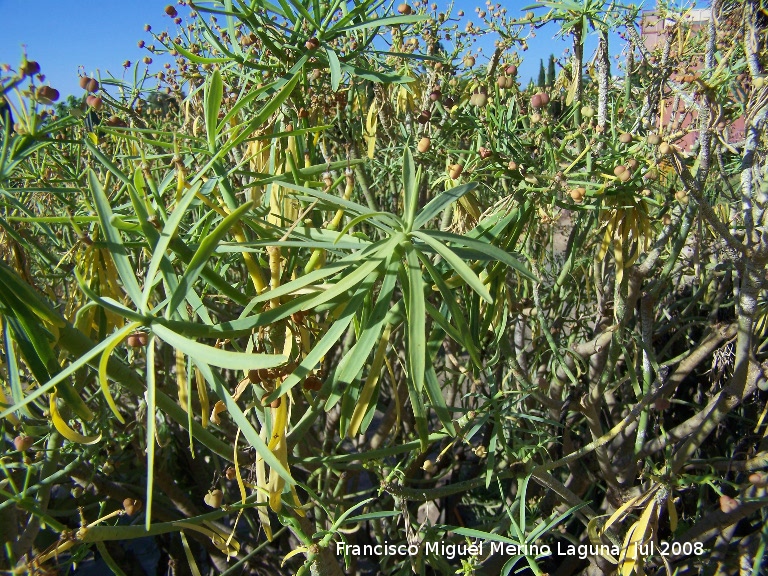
<point x="469" y="61"/>
<point x="275" y="403"/>
<point x="481" y="100"/>
<point x="424" y="117"/>
<point x="511" y="70"/>
<point x="93" y="85"/>
<point x="313" y="383"/>
<point x="577" y="194"/>
<point x="435" y="95"/>
<point x="544" y="98"/>
<point x="535" y="118"/>
<point x="448" y="103"/>
<point x="253" y="376"/>
<point x="625" y="138"/>
<point x="653" y="139"/>
<point x="116" y="122"/>
<point x="138" y="339"/>
<point x="23" y="443"/>
<point x="666" y="219"/>
<point x="230" y="473"/>
<point x="587" y="111"/>
<point x="665" y="148"/>
<point x="652" y="174"/>
<point x="625" y="176"/>
<point x="682" y="197"/>
<point x="429" y="467"/>
<point x="759" y="479"/>
<point x="97" y="103"/>
<point x="512" y="165"/>
<point x="728" y="504"/>
<point x="455" y="170"/>
<point x="484" y="152"/>
<point x="46" y="94"/>
<point x="536" y="101"/>
<point x="214" y="498"/>
<point x="84" y="82"/>
<point x="30" y="68"/>
<point x="424" y="145"/>
<point x="619" y="170"/>
<point x="633" y="164"/>
<point x="404" y="9"/>
<point x="171" y="11"/>
<point x="132" y="506"/>
<point x="312" y="44"/>
<point x="501" y="82"/>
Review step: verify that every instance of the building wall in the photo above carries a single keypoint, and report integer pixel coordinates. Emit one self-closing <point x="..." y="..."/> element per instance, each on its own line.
<point x="654" y="30"/>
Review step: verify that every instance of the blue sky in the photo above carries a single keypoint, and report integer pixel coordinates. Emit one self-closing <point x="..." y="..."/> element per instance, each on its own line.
<point x="100" y="34"/>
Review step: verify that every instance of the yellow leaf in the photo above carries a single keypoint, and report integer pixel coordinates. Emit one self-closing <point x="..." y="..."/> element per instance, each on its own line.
<point x="202" y="392"/>
<point x="672" y="511"/>
<point x="370" y="384"/>
<point x="64" y="429"/>
<point x="293" y="553"/>
<point x="620" y="513"/>
<point x="104" y="360"/>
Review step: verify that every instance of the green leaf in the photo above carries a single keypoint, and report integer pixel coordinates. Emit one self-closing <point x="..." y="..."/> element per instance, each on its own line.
<point x="353" y="362"/>
<point x="492" y="251"/>
<point x="441" y="201"/>
<point x="458" y="265"/>
<point x="151" y="423"/>
<point x="449" y="299"/>
<point x="388" y="21"/>
<point x="170" y="228"/>
<point x="417" y="344"/>
<point x="435" y="395"/>
<point x="114" y="242"/>
<point x="313" y="359"/>
<point x="335" y="65"/>
<point x="214" y="93"/>
<point x="204" y="252"/>
<point x="410" y="188"/>
<point x="202" y="353"/>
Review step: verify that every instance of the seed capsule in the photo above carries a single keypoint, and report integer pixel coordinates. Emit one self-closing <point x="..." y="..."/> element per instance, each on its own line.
<point x="23" y="443"/>
<point x="214" y="498"/>
<point x="424" y="145"/>
<point x="455" y="170"/>
<point x="137" y="339"/>
<point x="132" y="506"/>
<point x="625" y="138"/>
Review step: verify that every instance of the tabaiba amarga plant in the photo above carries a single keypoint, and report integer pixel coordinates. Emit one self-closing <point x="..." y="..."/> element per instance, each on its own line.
<point x="331" y="292"/>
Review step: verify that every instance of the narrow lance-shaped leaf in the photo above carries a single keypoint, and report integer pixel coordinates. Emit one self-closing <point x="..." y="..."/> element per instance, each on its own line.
<point x="413" y="285"/>
<point x="201" y="353"/>
<point x="439" y="202"/>
<point x="204" y="251"/>
<point x="115" y="243"/>
<point x="165" y="238"/>
<point x="410" y="188"/>
<point x="214" y="93"/>
<point x="458" y="265"/>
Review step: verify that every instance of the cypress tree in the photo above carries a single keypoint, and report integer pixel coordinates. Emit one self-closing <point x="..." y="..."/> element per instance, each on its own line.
<point x="551" y="70"/>
<point x="542" y="75"/>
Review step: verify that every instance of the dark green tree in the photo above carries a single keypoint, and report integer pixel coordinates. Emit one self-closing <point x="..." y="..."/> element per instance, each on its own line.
<point x="542" y="75"/>
<point x="551" y="70"/>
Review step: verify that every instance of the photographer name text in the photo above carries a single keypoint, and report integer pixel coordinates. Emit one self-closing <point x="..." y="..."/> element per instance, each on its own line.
<point x="583" y="551"/>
